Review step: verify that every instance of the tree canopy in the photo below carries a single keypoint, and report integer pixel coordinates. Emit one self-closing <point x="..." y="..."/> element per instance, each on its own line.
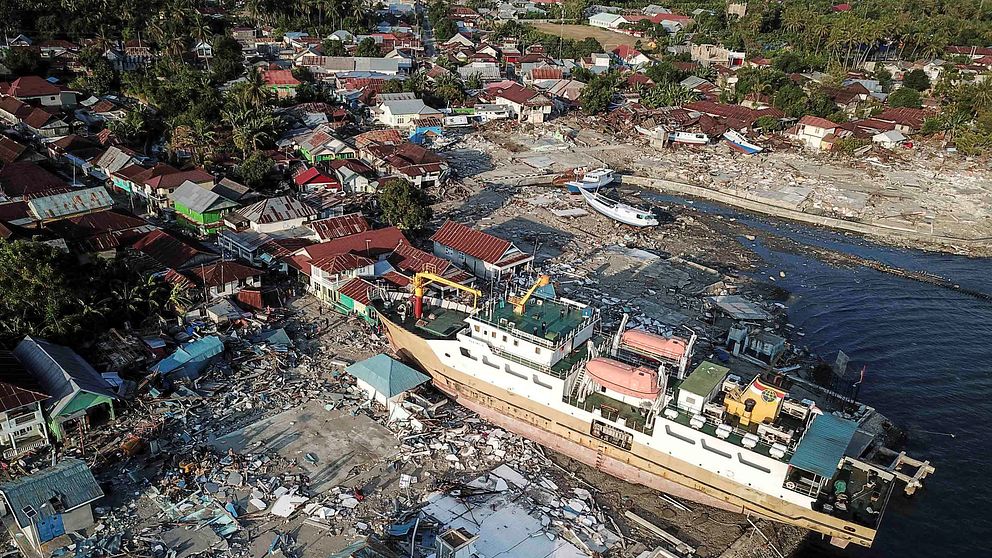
<point x="404" y="205"/>
<point x="48" y="293"/>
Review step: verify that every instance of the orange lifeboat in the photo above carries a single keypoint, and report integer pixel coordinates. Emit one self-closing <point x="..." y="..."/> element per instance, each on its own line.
<point x="635" y="381"/>
<point x="656" y="346"/>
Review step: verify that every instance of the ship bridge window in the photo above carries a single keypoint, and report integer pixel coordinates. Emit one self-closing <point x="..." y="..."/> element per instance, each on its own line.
<point x="477" y="329"/>
<point x="537" y="350"/>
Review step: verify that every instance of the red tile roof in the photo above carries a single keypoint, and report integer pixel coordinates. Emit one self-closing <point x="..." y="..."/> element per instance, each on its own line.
<point x="367" y="243"/>
<point x="279" y="77"/>
<point x="168" y="250"/>
<point x="24" y="178"/>
<point x="32" y="86"/>
<point x="904" y="116"/>
<point x="14" y="107"/>
<point x="546" y="72"/>
<point x="340" y="263"/>
<point x="625" y="52"/>
<point x="221" y="273"/>
<point x="172" y="180"/>
<point x="358" y="290"/>
<point x="810" y="120"/>
<point x="479" y="245"/>
<point x="339" y="227"/>
<point x="521" y="95"/>
<point x="409" y="258"/>
<point x="17" y="386"/>
<point x="314" y="176"/>
<point x="10" y="150"/>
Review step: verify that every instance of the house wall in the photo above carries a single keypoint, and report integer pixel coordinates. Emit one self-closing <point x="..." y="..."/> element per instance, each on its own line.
<point x="233" y="287"/>
<point x="205" y="223"/>
<point x="20" y="429"/>
<point x="478" y="267"/>
<point x="79" y="518"/>
<point x="279" y="226"/>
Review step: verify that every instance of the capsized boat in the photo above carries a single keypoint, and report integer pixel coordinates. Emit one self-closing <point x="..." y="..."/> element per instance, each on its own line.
<point x="619" y="211"/>
<point x="740" y="143"/>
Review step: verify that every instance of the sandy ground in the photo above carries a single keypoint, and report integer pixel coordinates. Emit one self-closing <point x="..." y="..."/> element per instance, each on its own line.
<point x="609" y="39"/>
<point x="923" y="191"/>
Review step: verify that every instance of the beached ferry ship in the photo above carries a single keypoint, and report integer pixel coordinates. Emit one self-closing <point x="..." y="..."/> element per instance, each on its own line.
<point x="629" y="404"/>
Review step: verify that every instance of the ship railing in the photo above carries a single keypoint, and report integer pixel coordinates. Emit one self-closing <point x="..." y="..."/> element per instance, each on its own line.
<point x="761" y="447"/>
<point x="614" y="417"/>
<point x="544" y="368"/>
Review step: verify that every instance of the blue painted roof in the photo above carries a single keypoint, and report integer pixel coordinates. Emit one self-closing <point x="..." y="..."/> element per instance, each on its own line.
<point x="70" y="480"/>
<point x="191" y="358"/>
<point x="386" y="375"/>
<point x="824" y="445"/>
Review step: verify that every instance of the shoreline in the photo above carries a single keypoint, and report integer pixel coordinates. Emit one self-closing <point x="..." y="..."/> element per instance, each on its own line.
<point x="889" y="236"/>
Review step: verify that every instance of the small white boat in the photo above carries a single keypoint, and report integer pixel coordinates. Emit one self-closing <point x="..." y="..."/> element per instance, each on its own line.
<point x="619" y="211"/>
<point x="590" y="180"/>
<point x="691" y="138"/>
<point x="738" y="142"/>
<point x="597" y="177"/>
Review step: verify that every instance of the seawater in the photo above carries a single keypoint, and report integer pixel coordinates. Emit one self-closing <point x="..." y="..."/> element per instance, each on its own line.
<point x="928" y="363"/>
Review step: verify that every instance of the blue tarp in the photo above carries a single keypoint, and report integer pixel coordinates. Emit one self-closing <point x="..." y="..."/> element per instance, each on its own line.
<point x="190" y="359"/>
<point x="386" y="375"/>
<point x="824" y="445"/>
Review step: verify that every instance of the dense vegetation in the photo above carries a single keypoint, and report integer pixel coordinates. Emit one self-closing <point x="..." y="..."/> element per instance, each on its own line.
<point x="48" y="293"/>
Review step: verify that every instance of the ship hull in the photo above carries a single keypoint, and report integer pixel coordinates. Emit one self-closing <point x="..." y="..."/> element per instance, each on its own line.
<point x="642" y="465"/>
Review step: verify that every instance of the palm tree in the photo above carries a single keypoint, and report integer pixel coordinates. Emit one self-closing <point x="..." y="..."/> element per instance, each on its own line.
<point x="254" y="93"/>
<point x="981" y="96"/>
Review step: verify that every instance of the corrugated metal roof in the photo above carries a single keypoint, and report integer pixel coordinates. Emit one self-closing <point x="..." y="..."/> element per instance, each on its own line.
<point x="338" y="227"/>
<point x="199" y="199"/>
<point x="70" y="203"/>
<point x="386" y="375"/>
<point x="69" y="481"/>
<point x="274" y="210"/>
<point x="704" y="379"/>
<point x="60" y="371"/>
<point x="479" y="245"/>
<point x="358" y="290"/>
<point x="823" y="445"/>
<point x="17" y="386"/>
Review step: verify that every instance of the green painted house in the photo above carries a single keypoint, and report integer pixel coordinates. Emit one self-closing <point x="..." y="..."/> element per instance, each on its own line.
<point x="321" y="145"/>
<point x="200" y="209"/>
<point x="76" y="390"/>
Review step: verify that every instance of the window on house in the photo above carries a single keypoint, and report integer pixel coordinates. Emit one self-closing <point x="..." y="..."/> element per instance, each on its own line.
<point x="477" y="329"/>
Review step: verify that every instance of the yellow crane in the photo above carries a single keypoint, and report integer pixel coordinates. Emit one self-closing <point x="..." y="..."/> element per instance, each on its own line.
<point x="520" y="303"/>
<point x="424" y="278"/>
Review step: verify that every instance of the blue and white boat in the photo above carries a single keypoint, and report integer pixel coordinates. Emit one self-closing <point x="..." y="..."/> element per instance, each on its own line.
<point x="738" y="142"/>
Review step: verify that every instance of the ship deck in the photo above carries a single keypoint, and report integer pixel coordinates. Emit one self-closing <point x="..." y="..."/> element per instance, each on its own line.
<point x="549" y="320"/>
<point x="438" y="323"/>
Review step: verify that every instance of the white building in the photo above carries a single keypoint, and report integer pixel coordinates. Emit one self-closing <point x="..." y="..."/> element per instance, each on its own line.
<point x="607" y="20"/>
<point x="402" y="110"/>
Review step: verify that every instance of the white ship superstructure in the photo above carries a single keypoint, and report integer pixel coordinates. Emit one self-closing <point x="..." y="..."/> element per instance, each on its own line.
<point x="629" y="404"/>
